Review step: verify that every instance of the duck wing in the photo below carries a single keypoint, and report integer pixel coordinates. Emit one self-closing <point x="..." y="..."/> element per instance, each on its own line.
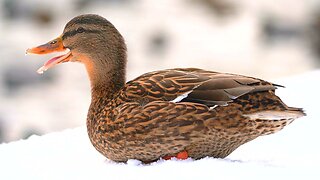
<point x="192" y="85"/>
<point x="166" y="112"/>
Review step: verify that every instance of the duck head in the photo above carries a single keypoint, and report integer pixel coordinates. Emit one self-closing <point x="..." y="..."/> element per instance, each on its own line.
<point x="89" y="39"/>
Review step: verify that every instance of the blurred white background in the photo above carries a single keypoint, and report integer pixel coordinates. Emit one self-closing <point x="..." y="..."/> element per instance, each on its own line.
<point x="266" y="39"/>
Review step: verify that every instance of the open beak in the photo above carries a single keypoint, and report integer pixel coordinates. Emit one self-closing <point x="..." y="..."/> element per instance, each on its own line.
<point x="55" y="45"/>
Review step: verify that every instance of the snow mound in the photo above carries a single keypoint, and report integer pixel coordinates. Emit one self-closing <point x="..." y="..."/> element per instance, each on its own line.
<point x="291" y="153"/>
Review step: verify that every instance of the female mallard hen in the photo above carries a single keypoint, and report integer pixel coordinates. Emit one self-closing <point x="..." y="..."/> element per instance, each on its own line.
<point x="170" y="113"/>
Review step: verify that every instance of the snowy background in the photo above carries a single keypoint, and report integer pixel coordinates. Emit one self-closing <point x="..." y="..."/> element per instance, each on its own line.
<point x="279" y="42"/>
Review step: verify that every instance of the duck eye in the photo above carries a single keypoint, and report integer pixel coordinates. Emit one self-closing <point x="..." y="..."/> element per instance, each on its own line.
<point x="53" y="42"/>
<point x="80" y="30"/>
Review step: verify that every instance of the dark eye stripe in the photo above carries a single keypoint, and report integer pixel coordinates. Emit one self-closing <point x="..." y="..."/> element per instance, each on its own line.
<point x="74" y="32"/>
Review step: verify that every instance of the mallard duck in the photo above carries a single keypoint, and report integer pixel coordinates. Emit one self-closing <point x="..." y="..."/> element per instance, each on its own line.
<point x="182" y="112"/>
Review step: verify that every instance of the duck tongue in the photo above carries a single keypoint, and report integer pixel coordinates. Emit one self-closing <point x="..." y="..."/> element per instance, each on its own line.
<point x="54" y="61"/>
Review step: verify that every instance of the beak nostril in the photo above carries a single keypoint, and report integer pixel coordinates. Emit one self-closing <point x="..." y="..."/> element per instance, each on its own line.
<point x="53" y="42"/>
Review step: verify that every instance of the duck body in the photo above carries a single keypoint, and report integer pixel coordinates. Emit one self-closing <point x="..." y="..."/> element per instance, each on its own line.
<point x="201" y="112"/>
<point x="167" y="113"/>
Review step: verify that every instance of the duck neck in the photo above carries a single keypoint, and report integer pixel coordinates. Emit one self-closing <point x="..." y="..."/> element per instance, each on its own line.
<point x="106" y="77"/>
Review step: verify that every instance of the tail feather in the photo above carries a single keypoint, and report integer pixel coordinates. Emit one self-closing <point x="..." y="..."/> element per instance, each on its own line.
<point x="273" y="115"/>
<point x="297" y="110"/>
<point x="268" y="122"/>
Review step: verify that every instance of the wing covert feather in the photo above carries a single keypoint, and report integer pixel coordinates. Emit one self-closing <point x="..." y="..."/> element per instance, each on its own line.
<point x="204" y="87"/>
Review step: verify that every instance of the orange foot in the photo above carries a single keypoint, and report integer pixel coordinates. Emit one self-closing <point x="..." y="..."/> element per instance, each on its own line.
<point x="181" y="155"/>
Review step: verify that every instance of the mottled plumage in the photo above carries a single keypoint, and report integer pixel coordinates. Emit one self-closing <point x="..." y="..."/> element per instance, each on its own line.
<point x="141" y="122"/>
<point x="163" y="113"/>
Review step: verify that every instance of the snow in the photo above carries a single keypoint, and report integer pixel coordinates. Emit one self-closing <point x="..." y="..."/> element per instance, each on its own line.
<point x="292" y="153"/>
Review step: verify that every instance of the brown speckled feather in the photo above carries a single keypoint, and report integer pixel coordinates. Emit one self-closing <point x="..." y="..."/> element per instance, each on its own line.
<point x="146" y="123"/>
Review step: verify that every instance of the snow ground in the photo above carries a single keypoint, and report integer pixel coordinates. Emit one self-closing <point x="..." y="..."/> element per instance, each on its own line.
<point x="293" y="153"/>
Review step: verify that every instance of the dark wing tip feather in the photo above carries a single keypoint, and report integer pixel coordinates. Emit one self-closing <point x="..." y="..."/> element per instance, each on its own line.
<point x="278" y="85"/>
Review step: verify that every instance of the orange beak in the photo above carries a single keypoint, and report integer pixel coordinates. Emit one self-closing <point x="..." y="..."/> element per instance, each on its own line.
<point x="55" y="45"/>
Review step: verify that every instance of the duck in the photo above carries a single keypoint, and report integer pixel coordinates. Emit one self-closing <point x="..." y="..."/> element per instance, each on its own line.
<point x="173" y="113"/>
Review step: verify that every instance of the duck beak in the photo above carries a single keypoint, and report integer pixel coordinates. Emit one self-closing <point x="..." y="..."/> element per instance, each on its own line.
<point x="55" y="45"/>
